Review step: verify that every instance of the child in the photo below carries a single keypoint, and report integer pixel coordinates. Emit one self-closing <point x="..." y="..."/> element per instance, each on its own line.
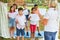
<point x="11" y="16"/>
<point x="33" y="23"/>
<point x="20" y="21"/>
<point x="26" y="12"/>
<point x="37" y="13"/>
<point x="51" y="22"/>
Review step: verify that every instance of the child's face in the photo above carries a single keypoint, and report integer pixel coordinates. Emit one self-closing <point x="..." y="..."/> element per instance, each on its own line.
<point x="33" y="10"/>
<point x="12" y="8"/>
<point x="20" y="12"/>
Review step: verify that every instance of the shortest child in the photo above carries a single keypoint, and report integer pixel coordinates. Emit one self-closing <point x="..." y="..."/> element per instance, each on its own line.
<point x="20" y="21"/>
<point x="33" y="17"/>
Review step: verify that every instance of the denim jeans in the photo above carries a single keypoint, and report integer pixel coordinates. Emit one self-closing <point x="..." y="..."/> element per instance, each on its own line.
<point x="49" y="35"/>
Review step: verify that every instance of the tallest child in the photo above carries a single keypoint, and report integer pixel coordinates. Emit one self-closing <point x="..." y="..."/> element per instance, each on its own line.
<point x="11" y="16"/>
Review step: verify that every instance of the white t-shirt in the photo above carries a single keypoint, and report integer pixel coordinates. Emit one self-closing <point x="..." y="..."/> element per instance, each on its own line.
<point x="21" y="20"/>
<point x="34" y="19"/>
<point x="42" y="11"/>
<point x="52" y="16"/>
<point x="12" y="15"/>
<point x="25" y="12"/>
<point x="16" y="11"/>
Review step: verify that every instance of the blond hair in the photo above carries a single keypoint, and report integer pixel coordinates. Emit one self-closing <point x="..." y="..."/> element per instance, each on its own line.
<point x="53" y="4"/>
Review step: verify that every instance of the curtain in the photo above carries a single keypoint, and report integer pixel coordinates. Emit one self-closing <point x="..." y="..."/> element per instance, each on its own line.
<point x="4" y="30"/>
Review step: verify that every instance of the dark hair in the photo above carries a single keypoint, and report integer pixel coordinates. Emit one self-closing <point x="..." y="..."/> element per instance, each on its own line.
<point x="20" y="9"/>
<point x="35" y="5"/>
<point x="32" y="9"/>
<point x="15" y="5"/>
<point x="11" y="10"/>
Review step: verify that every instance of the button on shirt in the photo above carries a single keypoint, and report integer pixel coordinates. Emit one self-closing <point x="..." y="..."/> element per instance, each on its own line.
<point x="52" y="16"/>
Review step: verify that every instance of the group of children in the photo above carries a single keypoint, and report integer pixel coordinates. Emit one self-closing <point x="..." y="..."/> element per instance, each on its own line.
<point x="18" y="20"/>
<point x="20" y="17"/>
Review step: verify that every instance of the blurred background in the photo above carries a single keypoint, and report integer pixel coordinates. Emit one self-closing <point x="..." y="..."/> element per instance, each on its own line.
<point x="30" y="3"/>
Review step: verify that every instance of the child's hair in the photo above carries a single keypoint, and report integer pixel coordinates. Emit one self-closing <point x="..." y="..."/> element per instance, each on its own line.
<point x="32" y="9"/>
<point x="35" y="5"/>
<point x="15" y="5"/>
<point x="20" y="9"/>
<point x="11" y="10"/>
<point x="53" y="5"/>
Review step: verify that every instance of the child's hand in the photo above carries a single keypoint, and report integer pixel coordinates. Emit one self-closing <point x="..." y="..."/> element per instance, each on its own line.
<point x="44" y="21"/>
<point x="29" y="17"/>
<point x="17" y="22"/>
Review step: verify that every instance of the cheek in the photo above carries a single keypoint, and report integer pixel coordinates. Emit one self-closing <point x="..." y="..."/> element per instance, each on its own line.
<point x="12" y="9"/>
<point x="21" y="12"/>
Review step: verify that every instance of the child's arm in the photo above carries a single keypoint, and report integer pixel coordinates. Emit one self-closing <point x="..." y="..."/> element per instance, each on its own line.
<point x="40" y="16"/>
<point x="29" y="17"/>
<point x="45" y="19"/>
<point x="16" y="20"/>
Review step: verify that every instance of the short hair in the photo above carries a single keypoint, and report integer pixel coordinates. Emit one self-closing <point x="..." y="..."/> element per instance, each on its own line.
<point x="15" y="5"/>
<point x="20" y="9"/>
<point x="32" y="8"/>
<point x="53" y="4"/>
<point x="35" y="5"/>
